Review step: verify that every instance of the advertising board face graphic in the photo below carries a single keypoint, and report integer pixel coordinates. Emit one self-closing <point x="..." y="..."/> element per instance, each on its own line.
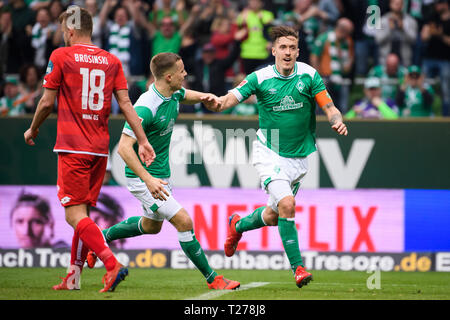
<point x="326" y="219"/>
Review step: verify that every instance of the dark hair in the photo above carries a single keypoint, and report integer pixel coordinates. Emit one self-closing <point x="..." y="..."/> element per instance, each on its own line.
<point x="162" y="62"/>
<point x="35" y="201"/>
<point x="23" y="72"/>
<point x="85" y="19"/>
<point x="282" y="31"/>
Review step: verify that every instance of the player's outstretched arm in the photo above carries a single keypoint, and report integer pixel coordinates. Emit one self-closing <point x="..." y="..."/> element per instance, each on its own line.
<point x="43" y="110"/>
<point x="228" y="101"/>
<point x="126" y="151"/>
<point x="211" y="101"/>
<point x="146" y="152"/>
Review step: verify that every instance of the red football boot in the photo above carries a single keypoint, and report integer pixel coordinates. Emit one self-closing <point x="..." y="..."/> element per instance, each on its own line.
<point x="233" y="236"/>
<point x="91" y="259"/>
<point x="220" y="283"/>
<point x="112" y="278"/>
<point x="71" y="281"/>
<point x="302" y="277"/>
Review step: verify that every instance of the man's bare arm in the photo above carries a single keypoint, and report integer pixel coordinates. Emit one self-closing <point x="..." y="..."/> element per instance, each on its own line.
<point x="126" y="151"/>
<point x="228" y="101"/>
<point x="44" y="109"/>
<point x="211" y="101"/>
<point x="335" y="118"/>
<point x="146" y="152"/>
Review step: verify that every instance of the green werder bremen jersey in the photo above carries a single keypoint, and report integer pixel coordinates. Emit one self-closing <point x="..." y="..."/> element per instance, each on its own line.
<point x="158" y="115"/>
<point x="287" y="120"/>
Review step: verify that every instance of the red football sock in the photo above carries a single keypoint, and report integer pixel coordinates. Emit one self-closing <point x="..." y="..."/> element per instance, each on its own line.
<point x="93" y="238"/>
<point x="78" y="252"/>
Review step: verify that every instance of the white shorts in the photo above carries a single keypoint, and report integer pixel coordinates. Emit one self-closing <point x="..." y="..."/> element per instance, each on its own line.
<point x="288" y="172"/>
<point x="154" y="209"/>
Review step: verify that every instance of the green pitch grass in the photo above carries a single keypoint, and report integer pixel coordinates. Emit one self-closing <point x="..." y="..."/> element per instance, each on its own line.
<point x="168" y="284"/>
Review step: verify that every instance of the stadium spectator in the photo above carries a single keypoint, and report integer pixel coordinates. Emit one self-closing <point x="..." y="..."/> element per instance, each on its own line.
<point x="436" y="35"/>
<point x="56" y="40"/>
<point x="222" y="37"/>
<point x="126" y="35"/>
<point x="92" y="7"/>
<point x="415" y="97"/>
<point x="255" y="49"/>
<point x="364" y="34"/>
<point x="391" y="74"/>
<point x="373" y="105"/>
<point x="166" y="38"/>
<point x="33" y="222"/>
<point x="397" y="34"/>
<point x="55" y="7"/>
<point x="168" y="8"/>
<point x="42" y="31"/>
<point x="306" y="17"/>
<point x="208" y="12"/>
<point x="329" y="12"/>
<point x="30" y="87"/>
<point x="210" y="71"/>
<point x="8" y="47"/>
<point x="11" y="103"/>
<point x="36" y="5"/>
<point x="333" y="57"/>
<point x="23" y="19"/>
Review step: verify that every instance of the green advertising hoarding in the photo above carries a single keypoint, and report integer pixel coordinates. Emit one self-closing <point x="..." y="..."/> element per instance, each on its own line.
<point x="216" y="151"/>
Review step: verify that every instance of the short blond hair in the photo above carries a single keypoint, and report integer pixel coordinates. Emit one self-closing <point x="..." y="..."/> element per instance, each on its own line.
<point x="162" y="62"/>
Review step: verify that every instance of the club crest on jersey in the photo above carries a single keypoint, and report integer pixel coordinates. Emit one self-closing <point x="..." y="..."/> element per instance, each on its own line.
<point x="300" y="85"/>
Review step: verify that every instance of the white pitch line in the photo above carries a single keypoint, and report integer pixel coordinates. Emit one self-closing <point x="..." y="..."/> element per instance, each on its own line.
<point x="218" y="293"/>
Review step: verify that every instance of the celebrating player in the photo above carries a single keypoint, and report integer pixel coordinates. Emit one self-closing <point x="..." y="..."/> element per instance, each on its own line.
<point x="287" y="94"/>
<point x="83" y="78"/>
<point x="158" y="109"/>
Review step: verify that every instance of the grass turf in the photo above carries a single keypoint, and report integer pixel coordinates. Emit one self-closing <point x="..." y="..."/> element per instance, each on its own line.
<point x="169" y="284"/>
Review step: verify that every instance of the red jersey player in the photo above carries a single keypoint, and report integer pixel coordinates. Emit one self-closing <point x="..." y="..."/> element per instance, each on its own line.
<point x="83" y="78"/>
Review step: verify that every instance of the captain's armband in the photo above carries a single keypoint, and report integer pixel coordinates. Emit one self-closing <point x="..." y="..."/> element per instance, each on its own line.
<point x="324" y="100"/>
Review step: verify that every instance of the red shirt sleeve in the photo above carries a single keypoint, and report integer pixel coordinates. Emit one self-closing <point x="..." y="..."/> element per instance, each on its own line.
<point x="120" y="82"/>
<point x="53" y="76"/>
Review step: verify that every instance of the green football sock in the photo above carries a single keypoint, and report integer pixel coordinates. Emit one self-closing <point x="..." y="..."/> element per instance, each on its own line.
<point x="252" y="221"/>
<point x="128" y="228"/>
<point x="194" y="252"/>
<point x="289" y="237"/>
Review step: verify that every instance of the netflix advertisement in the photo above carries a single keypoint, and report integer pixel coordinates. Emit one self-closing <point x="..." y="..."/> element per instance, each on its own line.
<point x="328" y="220"/>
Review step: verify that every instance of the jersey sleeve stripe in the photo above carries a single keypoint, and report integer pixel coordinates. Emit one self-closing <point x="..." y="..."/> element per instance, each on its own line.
<point x="129" y="132"/>
<point x="237" y="94"/>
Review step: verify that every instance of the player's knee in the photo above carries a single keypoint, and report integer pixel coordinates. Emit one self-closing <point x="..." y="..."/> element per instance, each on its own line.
<point x="286" y="207"/>
<point x="270" y="217"/>
<point x="150" y="226"/>
<point x="182" y="221"/>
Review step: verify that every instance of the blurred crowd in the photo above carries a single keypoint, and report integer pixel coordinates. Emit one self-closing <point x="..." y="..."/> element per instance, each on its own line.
<point x="379" y="58"/>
